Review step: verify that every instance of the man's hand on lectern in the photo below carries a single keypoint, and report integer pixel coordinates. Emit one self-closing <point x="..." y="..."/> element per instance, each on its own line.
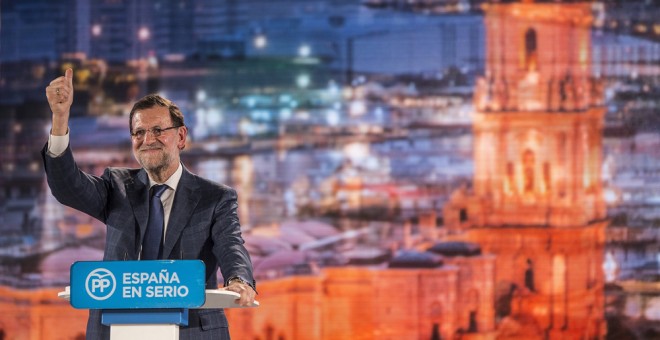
<point x="246" y="291"/>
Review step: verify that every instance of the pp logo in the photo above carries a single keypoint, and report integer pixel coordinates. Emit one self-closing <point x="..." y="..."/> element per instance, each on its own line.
<point x="100" y="284"/>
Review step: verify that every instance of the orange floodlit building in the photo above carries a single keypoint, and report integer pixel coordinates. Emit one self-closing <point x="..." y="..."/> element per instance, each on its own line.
<point x="39" y="314"/>
<point x="537" y="201"/>
<point x="433" y="301"/>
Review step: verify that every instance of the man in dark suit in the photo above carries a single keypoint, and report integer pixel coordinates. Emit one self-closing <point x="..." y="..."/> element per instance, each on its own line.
<point x="198" y="218"/>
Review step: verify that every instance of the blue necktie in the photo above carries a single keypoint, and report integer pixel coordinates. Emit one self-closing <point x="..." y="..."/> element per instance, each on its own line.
<point x="152" y="245"/>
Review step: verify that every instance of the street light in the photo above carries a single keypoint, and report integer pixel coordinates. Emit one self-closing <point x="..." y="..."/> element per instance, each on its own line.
<point x="143" y="33"/>
<point x="96" y="30"/>
<point x="201" y="96"/>
<point x="260" y="41"/>
<point x="303" y="80"/>
<point x="304" y="51"/>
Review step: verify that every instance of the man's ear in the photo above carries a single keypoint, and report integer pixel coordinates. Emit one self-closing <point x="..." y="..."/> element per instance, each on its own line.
<point x="183" y="135"/>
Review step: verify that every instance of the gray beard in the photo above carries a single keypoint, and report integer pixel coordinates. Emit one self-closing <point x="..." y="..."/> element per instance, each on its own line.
<point x="157" y="170"/>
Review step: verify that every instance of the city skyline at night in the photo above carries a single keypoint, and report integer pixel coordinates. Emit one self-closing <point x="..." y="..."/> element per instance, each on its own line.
<point x="494" y="162"/>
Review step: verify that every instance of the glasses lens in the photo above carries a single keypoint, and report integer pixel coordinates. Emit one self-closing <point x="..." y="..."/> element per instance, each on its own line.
<point x="156" y="131"/>
<point x="139" y="134"/>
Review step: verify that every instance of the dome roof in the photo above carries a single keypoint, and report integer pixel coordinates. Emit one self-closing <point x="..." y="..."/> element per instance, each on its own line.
<point x="415" y="259"/>
<point x="456" y="248"/>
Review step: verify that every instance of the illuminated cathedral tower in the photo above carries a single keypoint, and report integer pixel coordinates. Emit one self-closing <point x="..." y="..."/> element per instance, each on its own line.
<point x="536" y="202"/>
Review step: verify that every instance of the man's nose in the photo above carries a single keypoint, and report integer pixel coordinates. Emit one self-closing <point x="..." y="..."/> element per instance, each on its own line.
<point x="149" y="137"/>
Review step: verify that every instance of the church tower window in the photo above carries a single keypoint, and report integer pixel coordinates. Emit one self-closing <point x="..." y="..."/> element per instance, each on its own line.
<point x="530" y="50"/>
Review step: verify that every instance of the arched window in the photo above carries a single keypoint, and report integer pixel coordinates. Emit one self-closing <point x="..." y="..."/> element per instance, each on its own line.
<point x="529" y="276"/>
<point x="435" y="332"/>
<point x="472" y="304"/>
<point x="463" y="215"/>
<point x="472" y="325"/>
<point x="528" y="165"/>
<point x="530" y="50"/>
<point x="509" y="185"/>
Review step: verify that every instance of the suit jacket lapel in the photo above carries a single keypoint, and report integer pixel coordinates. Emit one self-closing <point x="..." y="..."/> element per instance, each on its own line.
<point x="137" y="191"/>
<point x="185" y="201"/>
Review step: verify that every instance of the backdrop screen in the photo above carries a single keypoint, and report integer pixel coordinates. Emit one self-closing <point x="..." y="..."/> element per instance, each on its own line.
<point x="405" y="169"/>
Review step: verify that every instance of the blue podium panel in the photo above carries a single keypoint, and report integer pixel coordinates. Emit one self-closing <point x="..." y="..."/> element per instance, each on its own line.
<point x="138" y="284"/>
<point x="170" y="316"/>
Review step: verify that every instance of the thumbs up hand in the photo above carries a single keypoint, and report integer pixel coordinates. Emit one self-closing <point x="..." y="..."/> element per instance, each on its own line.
<point x="60" y="97"/>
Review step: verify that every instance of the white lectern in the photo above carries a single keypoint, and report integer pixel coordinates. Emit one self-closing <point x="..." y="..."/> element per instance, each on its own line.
<point x="215" y="298"/>
<point x="144" y="300"/>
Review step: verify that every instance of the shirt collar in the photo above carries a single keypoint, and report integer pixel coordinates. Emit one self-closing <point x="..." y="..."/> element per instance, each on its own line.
<point x="171" y="182"/>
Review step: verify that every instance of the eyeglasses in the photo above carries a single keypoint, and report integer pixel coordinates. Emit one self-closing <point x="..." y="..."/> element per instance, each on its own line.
<point x="155" y="131"/>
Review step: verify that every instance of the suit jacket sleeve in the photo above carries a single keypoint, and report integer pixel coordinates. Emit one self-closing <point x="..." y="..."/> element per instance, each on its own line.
<point x="228" y="246"/>
<point x="75" y="188"/>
